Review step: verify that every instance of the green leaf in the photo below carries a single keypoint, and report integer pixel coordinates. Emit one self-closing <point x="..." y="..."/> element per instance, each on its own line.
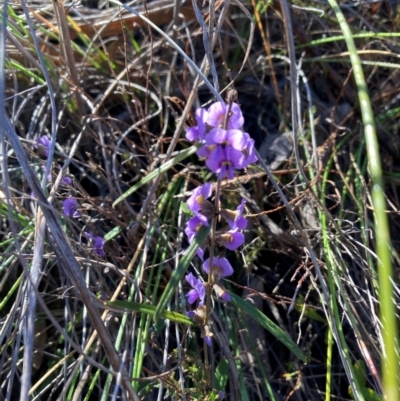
<point x="178" y="274"/>
<point x="150" y="310"/>
<point x="185" y="209"/>
<point x="360" y="370"/>
<point x="268" y="324"/>
<point x="307" y="311"/>
<point x="221" y="374"/>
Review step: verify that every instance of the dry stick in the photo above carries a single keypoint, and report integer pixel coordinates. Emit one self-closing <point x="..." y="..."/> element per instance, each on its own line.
<point x="69" y="54"/>
<point x="68" y="261"/>
<point x="267" y="48"/>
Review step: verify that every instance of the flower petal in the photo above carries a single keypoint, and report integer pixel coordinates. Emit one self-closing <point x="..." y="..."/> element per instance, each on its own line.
<point x="225" y="266"/>
<point x="70" y="206"/>
<point x="236" y="138"/>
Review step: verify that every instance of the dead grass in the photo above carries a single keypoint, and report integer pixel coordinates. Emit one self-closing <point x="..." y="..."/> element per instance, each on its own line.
<point x="115" y="92"/>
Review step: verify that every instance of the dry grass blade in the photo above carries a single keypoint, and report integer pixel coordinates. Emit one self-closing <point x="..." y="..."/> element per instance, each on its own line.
<point x="68" y="260"/>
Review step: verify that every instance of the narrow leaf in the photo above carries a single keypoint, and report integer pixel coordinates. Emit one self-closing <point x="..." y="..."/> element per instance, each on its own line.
<point x="268" y="324"/>
<point x="180" y="270"/>
<point x="150" y="310"/>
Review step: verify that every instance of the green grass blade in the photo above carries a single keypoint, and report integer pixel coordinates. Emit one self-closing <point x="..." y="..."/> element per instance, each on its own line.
<point x="180" y="270"/>
<point x="268" y="324"/>
<point x="150" y="310"/>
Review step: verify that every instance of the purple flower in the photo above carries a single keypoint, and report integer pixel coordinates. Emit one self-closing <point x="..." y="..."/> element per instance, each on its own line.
<point x="198" y="290"/>
<point x="193" y="226"/>
<point x="217" y="113"/>
<point x="221" y="267"/>
<point x="198" y="202"/>
<point x="231" y="240"/>
<point x="227" y="150"/>
<point x="235" y="219"/>
<point x="216" y="161"/>
<point x="249" y="150"/>
<point x="66" y="181"/>
<point x="226" y="296"/>
<point x="70" y="206"/>
<point x="222" y="292"/>
<point x="43" y="144"/>
<point x="200" y="253"/>
<point x="230" y="137"/>
<point x="98" y="244"/>
<point x="197" y="132"/>
<point x="207" y="340"/>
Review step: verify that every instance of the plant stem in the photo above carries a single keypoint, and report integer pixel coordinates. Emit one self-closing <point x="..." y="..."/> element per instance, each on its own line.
<point x="210" y="282"/>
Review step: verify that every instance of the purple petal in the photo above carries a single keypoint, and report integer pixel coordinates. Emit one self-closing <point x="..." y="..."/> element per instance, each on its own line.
<point x="205" y="151"/>
<point x="207" y="340"/>
<point x="236" y="119"/>
<point x="200" y="253"/>
<point x="70" y="206"/>
<point x="215" y="160"/>
<point x="88" y="235"/>
<point x="206" y="265"/>
<point x="226" y="296"/>
<point x="192" y="296"/>
<point x="236" y="139"/>
<point x="236" y="157"/>
<point x="226" y="171"/>
<point x="191" y="279"/>
<point x="99" y="245"/>
<point x="43" y="144"/>
<point x="216" y="136"/>
<point x="192" y="134"/>
<point x="198" y="291"/>
<point x="194" y="224"/>
<point x="250" y="151"/>
<point x="190" y="314"/>
<point x="66" y="181"/>
<point x="201" y="117"/>
<point x="234" y="240"/>
<point x="199" y="195"/>
<point x="240" y="208"/>
<point x="225" y="267"/>
<point x="236" y="219"/>
<point x="240" y="223"/>
<point x="217" y="112"/>
<point x="221" y="267"/>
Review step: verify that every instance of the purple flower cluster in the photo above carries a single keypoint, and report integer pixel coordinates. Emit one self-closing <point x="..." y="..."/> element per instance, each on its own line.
<point x="203" y="210"/>
<point x="227" y="147"/>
